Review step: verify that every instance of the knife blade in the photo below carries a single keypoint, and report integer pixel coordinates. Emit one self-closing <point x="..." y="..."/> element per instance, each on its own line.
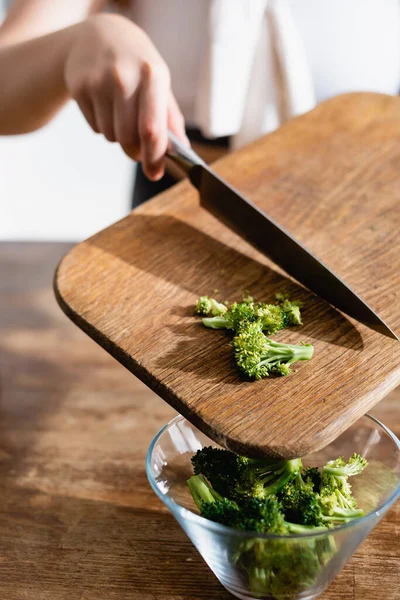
<point x="264" y="233"/>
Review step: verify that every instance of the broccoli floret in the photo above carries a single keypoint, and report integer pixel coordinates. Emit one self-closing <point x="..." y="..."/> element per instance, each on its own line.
<point x="292" y="311"/>
<point x="300" y="503"/>
<point x="225" y="471"/>
<point x="341" y="468"/>
<point x="258" y="356"/>
<point x="201" y="491"/>
<point x="267" y="516"/>
<point x="336" y="497"/>
<point x="252" y="514"/>
<point x="309" y="499"/>
<point x="222" y="511"/>
<point x="212" y="505"/>
<point x="271" y="317"/>
<point x="262" y="516"/>
<point x="233" y="318"/>
<point x="280" y="498"/>
<point x="291" y="308"/>
<point x="312" y="476"/>
<point x="209" y="306"/>
<point x="280" y="568"/>
<point x="238" y="477"/>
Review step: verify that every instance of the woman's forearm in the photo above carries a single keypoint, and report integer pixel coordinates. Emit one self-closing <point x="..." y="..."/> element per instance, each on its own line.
<point x="32" y="85"/>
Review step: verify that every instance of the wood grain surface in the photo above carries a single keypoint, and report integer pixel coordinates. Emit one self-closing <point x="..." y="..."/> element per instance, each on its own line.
<point x="78" y="519"/>
<point x="332" y="179"/>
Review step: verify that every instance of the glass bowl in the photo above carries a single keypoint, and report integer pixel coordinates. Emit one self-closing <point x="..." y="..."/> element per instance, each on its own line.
<point x="251" y="565"/>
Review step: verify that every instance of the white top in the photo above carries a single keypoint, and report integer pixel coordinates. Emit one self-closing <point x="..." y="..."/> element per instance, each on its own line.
<point x="242" y="67"/>
<point x="179" y="30"/>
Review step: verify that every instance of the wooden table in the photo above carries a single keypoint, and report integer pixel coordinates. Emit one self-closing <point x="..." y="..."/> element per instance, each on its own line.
<point x="78" y="520"/>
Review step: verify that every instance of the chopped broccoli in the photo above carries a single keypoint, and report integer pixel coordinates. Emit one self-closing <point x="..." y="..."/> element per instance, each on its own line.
<point x="238" y="477"/>
<point x="311" y="475"/>
<point x="236" y="315"/>
<point x="212" y="505"/>
<point x="206" y="306"/>
<point x="201" y="491"/>
<point x="280" y="568"/>
<point x="323" y="500"/>
<point x="282" y="498"/>
<point x="271" y="317"/>
<point x="300" y="502"/>
<point x="258" y="356"/>
<point x="291" y="308"/>
<point x="341" y="468"/>
<point x="262" y="515"/>
<point x="335" y="490"/>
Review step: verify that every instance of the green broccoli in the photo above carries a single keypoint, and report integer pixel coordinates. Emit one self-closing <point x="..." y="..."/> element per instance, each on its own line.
<point x="201" y="491"/>
<point x="280" y="568"/>
<point x="283" y="498"/>
<point x="284" y="568"/>
<point x="290" y="308"/>
<point x="271" y="317"/>
<point x="341" y="468"/>
<point x="275" y="566"/>
<point x="234" y="317"/>
<point x="311" y="475"/>
<point x="238" y="477"/>
<point x="212" y="505"/>
<point x="263" y="515"/>
<point x="300" y="502"/>
<point x="258" y="356"/>
<point x="323" y="500"/>
<point x="206" y="306"/>
<point x="335" y="491"/>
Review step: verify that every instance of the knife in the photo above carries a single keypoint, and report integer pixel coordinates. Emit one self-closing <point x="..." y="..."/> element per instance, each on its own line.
<point x="263" y="232"/>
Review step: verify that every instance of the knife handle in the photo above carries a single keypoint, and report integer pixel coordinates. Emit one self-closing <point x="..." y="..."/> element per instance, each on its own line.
<point x="182" y="155"/>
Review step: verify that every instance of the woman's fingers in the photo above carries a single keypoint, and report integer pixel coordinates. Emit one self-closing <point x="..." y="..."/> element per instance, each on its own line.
<point x="126" y="123"/>
<point x="86" y="106"/>
<point x="152" y="119"/>
<point x="176" y="121"/>
<point x="104" y="116"/>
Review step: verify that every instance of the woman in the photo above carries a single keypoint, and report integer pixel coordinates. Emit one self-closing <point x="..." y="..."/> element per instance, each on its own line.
<point x="240" y="67"/>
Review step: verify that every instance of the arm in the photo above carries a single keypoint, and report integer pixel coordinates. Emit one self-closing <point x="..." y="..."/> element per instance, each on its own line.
<point x="34" y="41"/>
<point x="105" y="62"/>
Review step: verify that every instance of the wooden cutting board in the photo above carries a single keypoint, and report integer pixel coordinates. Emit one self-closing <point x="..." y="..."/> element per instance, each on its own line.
<point x="332" y="178"/>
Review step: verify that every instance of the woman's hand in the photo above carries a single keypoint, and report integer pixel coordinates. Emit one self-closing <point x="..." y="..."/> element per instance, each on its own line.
<point x="123" y="88"/>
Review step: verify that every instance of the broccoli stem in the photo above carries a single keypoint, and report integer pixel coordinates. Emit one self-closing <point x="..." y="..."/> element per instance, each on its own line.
<point x="289" y="470"/>
<point x="344" y="514"/>
<point x="259" y="580"/>
<point x="218" y="322"/>
<point x="296" y="528"/>
<point x="201" y="491"/>
<point x="287" y="353"/>
<point x="345" y="471"/>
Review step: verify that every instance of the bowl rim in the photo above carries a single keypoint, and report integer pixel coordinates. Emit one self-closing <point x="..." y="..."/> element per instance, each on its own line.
<point x="181" y="513"/>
